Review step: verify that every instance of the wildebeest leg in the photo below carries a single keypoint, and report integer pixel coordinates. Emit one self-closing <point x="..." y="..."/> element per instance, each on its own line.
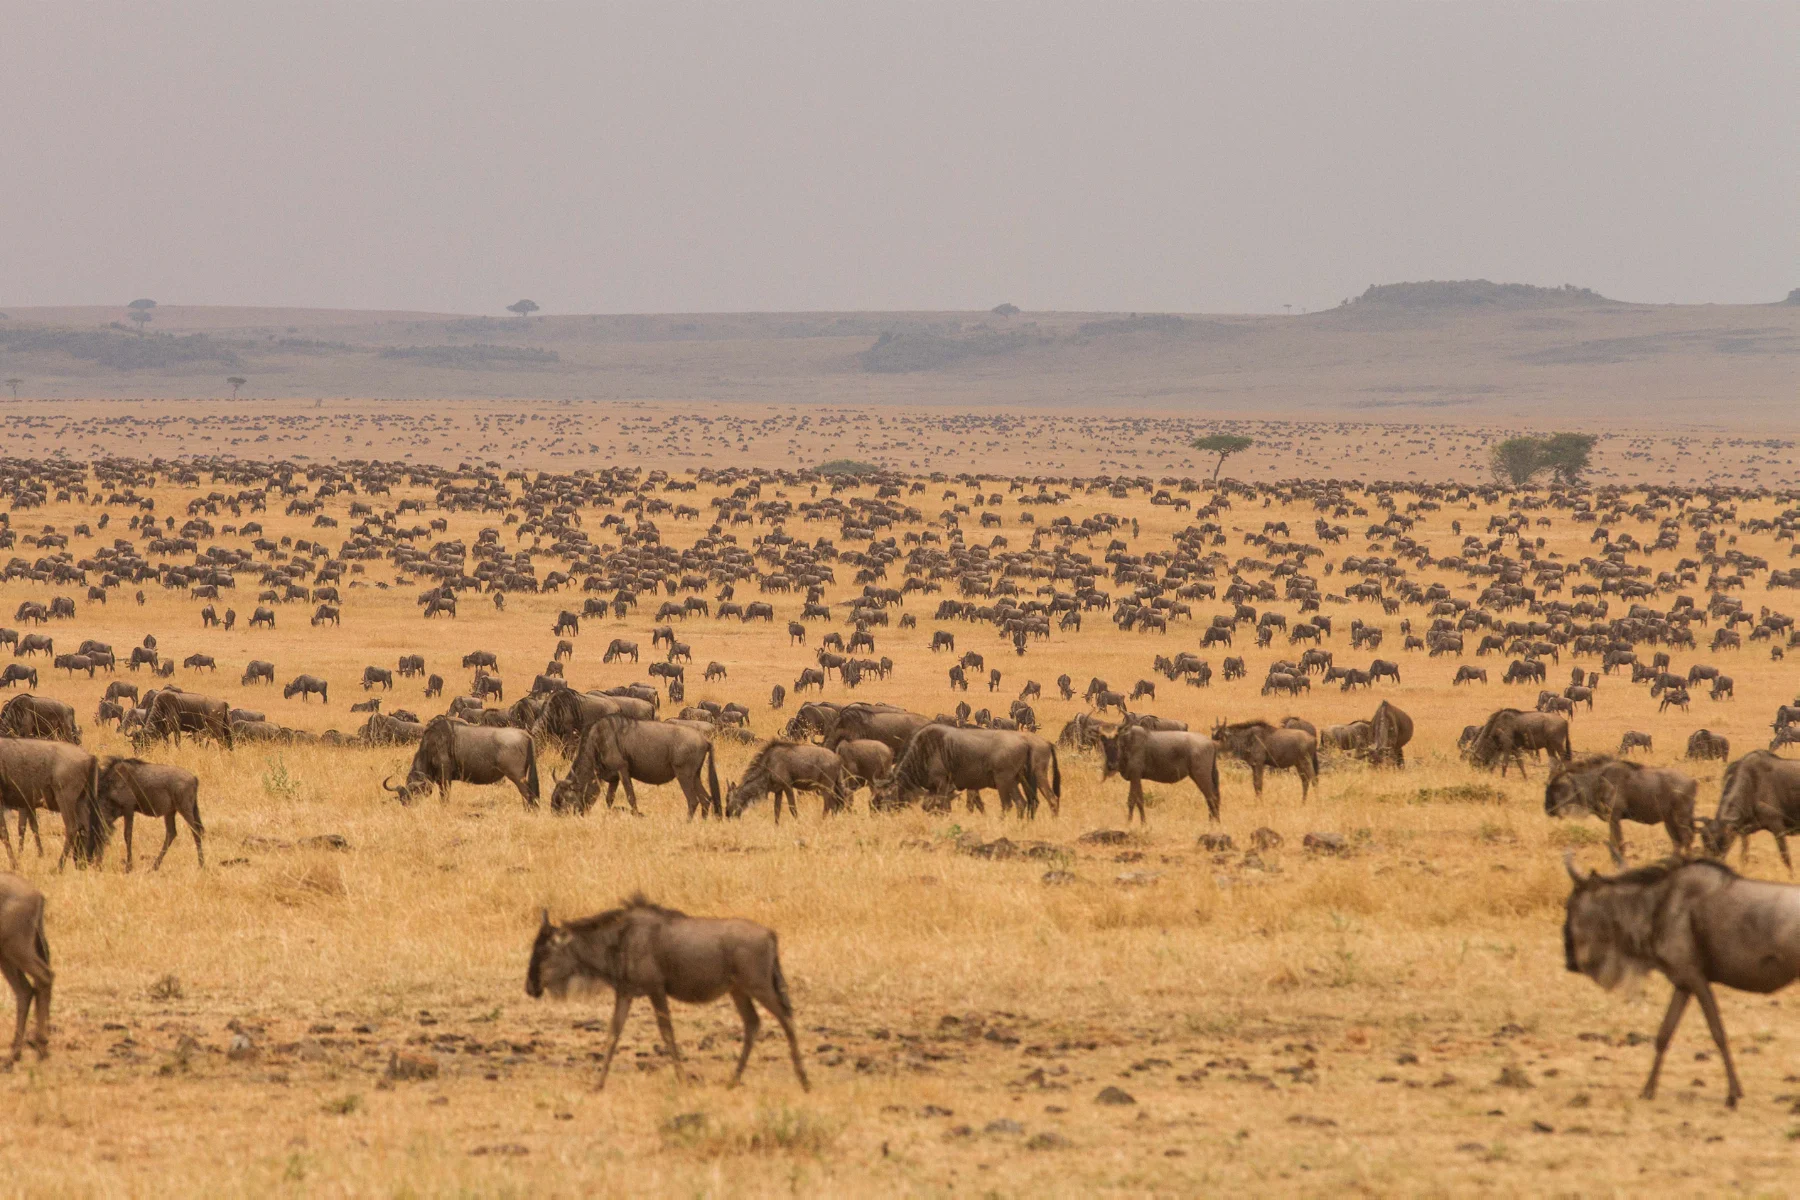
<point x="793" y="810"/>
<point x="1665" y="1035"/>
<point x="129" y="814"/>
<point x="22" y="997"/>
<point x="973" y="802"/>
<point x="752" y="1022"/>
<point x="1616" y="843"/>
<point x="772" y="995"/>
<point x="621" y="1009"/>
<point x="168" y="840"/>
<point x="1256" y="774"/>
<point x="1781" y="845"/>
<point x="7" y="838"/>
<point x="1306" y="779"/>
<point x="666" y="1025"/>
<point x="631" y="792"/>
<point x="1710" y="1006"/>
<point x="1134" y="802"/>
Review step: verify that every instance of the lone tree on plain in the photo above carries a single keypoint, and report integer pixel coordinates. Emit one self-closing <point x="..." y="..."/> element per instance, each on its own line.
<point x="141" y="316"/>
<point x="1224" y="445"/>
<point x="524" y="307"/>
<point x="1518" y="460"/>
<point x="236" y="382"/>
<point x="14" y="385"/>
<point x="141" y="304"/>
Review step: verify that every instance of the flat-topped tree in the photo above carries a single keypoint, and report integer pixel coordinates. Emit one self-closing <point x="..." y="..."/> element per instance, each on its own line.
<point x="523" y="307"/>
<point x="1224" y="445"/>
<point x="236" y="382"/>
<point x="14" y="385"/>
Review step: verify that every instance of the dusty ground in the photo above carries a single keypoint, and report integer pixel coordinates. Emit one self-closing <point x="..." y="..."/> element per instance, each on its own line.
<point x="1395" y="1019"/>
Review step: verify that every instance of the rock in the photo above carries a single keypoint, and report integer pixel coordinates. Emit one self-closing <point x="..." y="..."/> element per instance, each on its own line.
<point x="1326" y="843"/>
<point x="683" y="1122"/>
<point x="998" y="849"/>
<point x="1137" y="878"/>
<point x="256" y="842"/>
<point x="1514" y="1077"/>
<point x="1264" y="838"/>
<point x="326" y="841"/>
<point x="933" y="1110"/>
<point x="1104" y="837"/>
<point x="166" y="988"/>
<point x="1049" y="1140"/>
<point x="1217" y="842"/>
<point x="242" y="1049"/>
<point x="1058" y="878"/>
<point x="411" y="1066"/>
<point x="504" y="1150"/>
<point x="1003" y="1125"/>
<point x="1114" y="1095"/>
<point x="1309" y="1119"/>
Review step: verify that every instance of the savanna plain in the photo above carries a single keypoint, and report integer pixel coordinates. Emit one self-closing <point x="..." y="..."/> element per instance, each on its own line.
<point x="1136" y="1012"/>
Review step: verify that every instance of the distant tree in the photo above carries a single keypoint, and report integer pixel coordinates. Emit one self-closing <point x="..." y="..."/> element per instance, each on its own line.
<point x="141" y="316"/>
<point x="236" y="382"/>
<point x="1224" y="445"/>
<point x="1005" y="310"/>
<point x="14" y="385"/>
<point x="524" y="307"/>
<point x="1567" y="454"/>
<point x="1516" y="460"/>
<point x="142" y="304"/>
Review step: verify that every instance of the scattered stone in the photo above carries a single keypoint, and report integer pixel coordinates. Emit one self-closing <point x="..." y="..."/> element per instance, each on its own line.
<point x="999" y="849"/>
<point x="1540" y="1127"/>
<point x="933" y="1110"/>
<point x="1309" y="1119"/>
<point x="683" y="1122"/>
<point x="1137" y="878"/>
<point x="256" y="842"/>
<point x="1003" y="1125"/>
<point x="1048" y="1140"/>
<point x="1408" y="1059"/>
<point x="1326" y="843"/>
<point x="326" y="841"/>
<point x="1217" y="842"/>
<point x="411" y="1066"/>
<point x="503" y="1150"/>
<point x="1514" y="1077"/>
<point x="242" y="1049"/>
<point x="1058" y="878"/>
<point x="1579" y="1100"/>
<point x="1104" y="837"/>
<point x="166" y="988"/>
<point x="1264" y="838"/>
<point x="1114" y="1095"/>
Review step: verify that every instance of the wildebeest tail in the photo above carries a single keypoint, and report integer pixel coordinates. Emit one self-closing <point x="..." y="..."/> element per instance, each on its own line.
<point x="531" y="773"/>
<point x="1214" y="766"/>
<point x="1055" y="775"/>
<point x="712" y="792"/>
<point x="778" y="979"/>
<point x="91" y="828"/>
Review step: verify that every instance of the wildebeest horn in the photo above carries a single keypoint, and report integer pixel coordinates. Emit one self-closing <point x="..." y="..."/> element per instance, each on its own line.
<point x="1574" y="872"/>
<point x="546" y="923"/>
<point x="386" y="786"/>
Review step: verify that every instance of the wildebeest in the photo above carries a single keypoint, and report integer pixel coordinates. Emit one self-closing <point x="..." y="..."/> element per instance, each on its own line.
<point x="1508" y="733"/>
<point x="481" y="658"/>
<point x="377" y="675"/>
<point x="18" y="673"/>
<point x="1261" y="747"/>
<point x="411" y="665"/>
<point x="195" y="662"/>
<point x="865" y="760"/>
<point x="451" y="751"/>
<point x="384" y="730"/>
<point x="325" y="613"/>
<point x="372" y="704"/>
<point x="35" y="643"/>
<point x="434" y="686"/>
<point x="1634" y="740"/>
<point x="130" y="786"/>
<point x="258" y="669"/>
<point x="620" y="749"/>
<point x="619" y="648"/>
<point x="941" y="760"/>
<point x="566" y="622"/>
<point x="1615" y="790"/>
<point x="1704" y="744"/>
<point x="30" y="716"/>
<point x="782" y="768"/>
<point x="34" y="774"/>
<point x="25" y="960"/>
<point x="645" y="950"/>
<point x="1760" y="791"/>
<point x="884" y="723"/>
<point x="1468" y="674"/>
<point x="1696" y="921"/>
<point x="265" y="617"/>
<point x="169" y="714"/>
<point x="304" y="686"/>
<point x="1137" y="754"/>
<point x="1390" y="729"/>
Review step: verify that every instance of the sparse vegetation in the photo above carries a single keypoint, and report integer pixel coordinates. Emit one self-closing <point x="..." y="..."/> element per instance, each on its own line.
<point x="1518" y="460"/>
<point x="1224" y="445"/>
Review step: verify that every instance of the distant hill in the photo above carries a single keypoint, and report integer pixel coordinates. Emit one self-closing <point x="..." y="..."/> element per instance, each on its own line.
<point x="1476" y="293"/>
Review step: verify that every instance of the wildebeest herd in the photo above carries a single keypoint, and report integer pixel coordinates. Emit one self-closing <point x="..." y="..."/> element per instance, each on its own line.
<point x="847" y="604"/>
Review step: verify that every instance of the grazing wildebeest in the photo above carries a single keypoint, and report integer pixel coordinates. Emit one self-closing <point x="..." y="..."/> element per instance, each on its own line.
<point x="619" y="648"/>
<point x="866" y="761"/>
<point x="1261" y="746"/>
<point x="451" y="751"/>
<point x="1468" y="674"/>
<point x="304" y="686"/>
<point x="372" y="704"/>
<point x="1508" y="733"/>
<point x="30" y="716"/>
<point x="195" y="662"/>
<point x="25" y="960"/>
<point x="1390" y="729"/>
<point x="1760" y="791"/>
<point x="1704" y="744"/>
<point x="434" y="686"/>
<point x="18" y="673"/>
<point x="324" y="613"/>
<point x="645" y="950"/>
<point x="809" y="677"/>
<point x="34" y="774"/>
<point x="411" y="665"/>
<point x="485" y="685"/>
<point x="1615" y="790"/>
<point x="566" y="622"/>
<point x="1722" y="688"/>
<point x="1696" y="921"/>
<point x="130" y="786"/>
<point x="481" y="658"/>
<point x="1137" y="754"/>
<point x="377" y="675"/>
<point x="943" y="639"/>
<point x="783" y="768"/>
<point x="263" y="616"/>
<point x="35" y="643"/>
<point x="1634" y="740"/>
<point x="942" y="760"/>
<point x="257" y="669"/>
<point x="1381" y="668"/>
<point x="620" y="749"/>
<point x="777" y="696"/>
<point x="884" y="723"/>
<point x="108" y="710"/>
<point x="169" y="714"/>
<point x="142" y="656"/>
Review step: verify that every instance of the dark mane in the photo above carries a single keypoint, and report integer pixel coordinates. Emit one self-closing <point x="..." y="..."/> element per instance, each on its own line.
<point x="1257" y="725"/>
<point x="1657" y="872"/>
<point x="639" y="902"/>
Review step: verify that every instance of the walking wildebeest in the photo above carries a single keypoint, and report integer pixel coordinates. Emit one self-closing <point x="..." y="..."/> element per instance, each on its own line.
<point x="35" y="774"/>
<point x="642" y="949"/>
<point x="25" y="960"/>
<point x="1261" y="747"/>
<point x="1760" y="791"/>
<point x="130" y="786"/>
<point x="1699" y="923"/>
<point x="304" y="686"/>
<point x="1137" y="754"/>
<point x="620" y="749"/>
<point x="783" y="768"/>
<point x="1508" y="733"/>
<point x="30" y="716"/>
<point x="451" y="751"/>
<point x="942" y="760"/>
<point x="1615" y="790"/>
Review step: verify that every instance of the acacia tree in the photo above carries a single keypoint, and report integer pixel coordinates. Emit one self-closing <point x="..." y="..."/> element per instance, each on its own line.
<point x="1517" y="460"/>
<point x="142" y="318"/>
<point x="1567" y="454"/>
<point x="14" y="385"/>
<point x="236" y="382"/>
<point x="1224" y="445"/>
<point x="524" y="307"/>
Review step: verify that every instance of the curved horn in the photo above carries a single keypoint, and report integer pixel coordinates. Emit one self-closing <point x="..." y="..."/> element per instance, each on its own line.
<point x="546" y="922"/>
<point x="388" y="787"/>
<point x="1574" y="872"/>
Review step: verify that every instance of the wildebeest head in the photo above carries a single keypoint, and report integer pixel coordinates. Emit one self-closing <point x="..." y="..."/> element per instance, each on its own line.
<point x="1109" y="750"/>
<point x="1562" y="793"/>
<point x="553" y="961"/>
<point x="1606" y="927"/>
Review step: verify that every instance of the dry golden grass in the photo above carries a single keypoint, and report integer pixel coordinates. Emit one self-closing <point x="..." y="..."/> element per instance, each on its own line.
<point x="1393" y="1020"/>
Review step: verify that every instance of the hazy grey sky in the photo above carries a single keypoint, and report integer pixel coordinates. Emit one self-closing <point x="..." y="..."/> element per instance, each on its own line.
<point x="762" y="155"/>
